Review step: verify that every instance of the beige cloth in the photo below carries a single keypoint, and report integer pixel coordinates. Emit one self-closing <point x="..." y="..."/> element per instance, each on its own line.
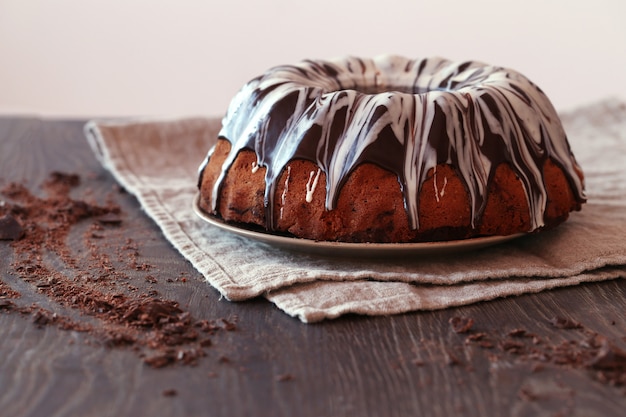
<point x="157" y="161"/>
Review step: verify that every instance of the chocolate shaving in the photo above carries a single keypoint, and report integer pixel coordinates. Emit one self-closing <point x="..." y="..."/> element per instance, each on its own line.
<point x="110" y="219"/>
<point x="284" y="377"/>
<point x="609" y="357"/>
<point x="461" y="324"/>
<point x="7" y="292"/>
<point x="171" y="392"/>
<point x="605" y="361"/>
<point x="564" y="323"/>
<point x="10" y="228"/>
<point x="6" y="305"/>
<point x="62" y="179"/>
<point x="512" y="346"/>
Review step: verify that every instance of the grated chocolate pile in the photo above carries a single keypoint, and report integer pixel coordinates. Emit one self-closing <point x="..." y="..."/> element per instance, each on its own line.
<point x="87" y="290"/>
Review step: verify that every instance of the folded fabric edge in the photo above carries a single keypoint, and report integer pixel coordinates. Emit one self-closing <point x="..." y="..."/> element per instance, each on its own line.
<point x="299" y="301"/>
<point x="103" y="154"/>
<point x="96" y="143"/>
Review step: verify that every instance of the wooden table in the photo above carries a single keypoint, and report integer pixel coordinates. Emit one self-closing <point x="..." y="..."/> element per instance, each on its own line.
<point x="506" y="364"/>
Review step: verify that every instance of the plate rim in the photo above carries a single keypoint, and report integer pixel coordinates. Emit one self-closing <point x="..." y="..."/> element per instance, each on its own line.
<point x="342" y="248"/>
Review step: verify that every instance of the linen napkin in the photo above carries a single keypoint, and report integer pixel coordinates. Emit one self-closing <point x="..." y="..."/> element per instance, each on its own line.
<point x="158" y="160"/>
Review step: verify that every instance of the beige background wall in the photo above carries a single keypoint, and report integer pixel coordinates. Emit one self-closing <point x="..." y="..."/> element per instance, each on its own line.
<point x="188" y="57"/>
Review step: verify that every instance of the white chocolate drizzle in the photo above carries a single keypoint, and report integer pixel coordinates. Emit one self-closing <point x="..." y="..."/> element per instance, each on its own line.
<point x="283" y="196"/>
<point x="311" y="184"/>
<point x="406" y="115"/>
<point x="439" y="193"/>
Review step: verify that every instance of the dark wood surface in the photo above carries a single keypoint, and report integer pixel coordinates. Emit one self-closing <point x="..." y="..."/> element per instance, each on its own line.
<point x="271" y="364"/>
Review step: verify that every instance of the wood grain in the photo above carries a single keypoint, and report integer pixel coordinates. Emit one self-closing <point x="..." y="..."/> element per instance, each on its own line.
<point x="273" y="365"/>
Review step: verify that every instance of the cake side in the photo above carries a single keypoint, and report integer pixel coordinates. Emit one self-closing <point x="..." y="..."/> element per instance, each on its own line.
<point x="370" y="207"/>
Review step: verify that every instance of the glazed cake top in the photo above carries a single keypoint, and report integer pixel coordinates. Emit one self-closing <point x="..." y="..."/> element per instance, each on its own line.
<point x="405" y="115"/>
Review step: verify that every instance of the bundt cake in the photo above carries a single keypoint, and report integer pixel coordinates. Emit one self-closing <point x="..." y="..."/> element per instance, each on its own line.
<point x="392" y="150"/>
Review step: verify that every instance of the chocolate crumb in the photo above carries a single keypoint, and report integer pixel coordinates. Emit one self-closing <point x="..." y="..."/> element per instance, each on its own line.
<point x="564" y="323"/>
<point x="42" y="317"/>
<point x="119" y="338"/>
<point x="284" y="377"/>
<point x="513" y="346"/>
<point x="62" y="179"/>
<point x="481" y="339"/>
<point x="171" y="392"/>
<point x="161" y="359"/>
<point x="7" y="292"/>
<point x="110" y="219"/>
<point x="609" y="357"/>
<point x="461" y="324"/>
<point x="227" y="325"/>
<point x="518" y="333"/>
<point x="10" y="228"/>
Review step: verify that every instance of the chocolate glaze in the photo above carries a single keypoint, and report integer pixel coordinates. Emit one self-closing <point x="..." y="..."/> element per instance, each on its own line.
<point x="405" y="115"/>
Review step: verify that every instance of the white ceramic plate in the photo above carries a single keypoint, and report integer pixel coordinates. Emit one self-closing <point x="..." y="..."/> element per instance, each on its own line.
<point x="355" y="249"/>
